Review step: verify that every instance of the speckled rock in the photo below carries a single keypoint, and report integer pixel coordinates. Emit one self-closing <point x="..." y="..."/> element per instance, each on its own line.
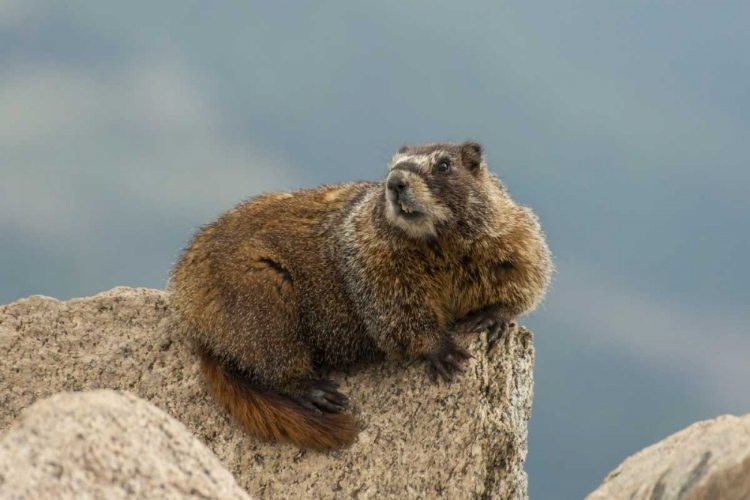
<point x="418" y="440"/>
<point x="108" y="445"/>
<point x="709" y="460"/>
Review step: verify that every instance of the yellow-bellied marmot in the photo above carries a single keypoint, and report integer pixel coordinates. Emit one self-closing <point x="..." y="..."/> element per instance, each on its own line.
<point x="351" y="273"/>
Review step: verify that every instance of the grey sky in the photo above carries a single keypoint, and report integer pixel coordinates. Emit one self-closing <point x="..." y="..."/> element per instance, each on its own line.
<point x="626" y="126"/>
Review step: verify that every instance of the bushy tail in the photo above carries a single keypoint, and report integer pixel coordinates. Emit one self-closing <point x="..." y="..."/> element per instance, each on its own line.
<point x="273" y="416"/>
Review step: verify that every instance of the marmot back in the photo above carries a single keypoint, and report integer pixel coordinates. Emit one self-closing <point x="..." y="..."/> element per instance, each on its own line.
<point x="353" y="273"/>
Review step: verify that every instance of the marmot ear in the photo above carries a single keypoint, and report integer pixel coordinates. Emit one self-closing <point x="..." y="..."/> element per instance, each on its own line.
<point x="403" y="149"/>
<point x="471" y="155"/>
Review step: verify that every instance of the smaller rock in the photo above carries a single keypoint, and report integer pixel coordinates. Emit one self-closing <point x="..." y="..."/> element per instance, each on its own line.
<point x="709" y="460"/>
<point x="107" y="444"/>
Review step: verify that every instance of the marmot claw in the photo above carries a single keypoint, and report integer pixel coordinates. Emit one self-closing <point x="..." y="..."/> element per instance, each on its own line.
<point x="323" y="396"/>
<point x="489" y="319"/>
<point x="497" y="331"/>
<point x="446" y="362"/>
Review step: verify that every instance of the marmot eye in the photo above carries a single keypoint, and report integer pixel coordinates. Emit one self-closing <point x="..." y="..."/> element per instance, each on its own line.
<point x="444" y="166"/>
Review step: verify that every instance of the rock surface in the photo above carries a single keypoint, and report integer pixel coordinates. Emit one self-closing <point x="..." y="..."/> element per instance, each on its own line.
<point x="709" y="460"/>
<point x="104" y="444"/>
<point x="464" y="440"/>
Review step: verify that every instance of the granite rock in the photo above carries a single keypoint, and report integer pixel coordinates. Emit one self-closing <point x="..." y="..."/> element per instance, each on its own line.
<point x="108" y="445"/>
<point x="708" y="460"/>
<point x="464" y="440"/>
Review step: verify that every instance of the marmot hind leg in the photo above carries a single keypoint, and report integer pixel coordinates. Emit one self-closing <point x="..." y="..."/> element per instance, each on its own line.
<point x="322" y="396"/>
<point x="263" y="339"/>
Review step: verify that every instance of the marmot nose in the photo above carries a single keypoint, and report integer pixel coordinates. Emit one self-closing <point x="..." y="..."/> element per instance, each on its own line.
<point x="397" y="182"/>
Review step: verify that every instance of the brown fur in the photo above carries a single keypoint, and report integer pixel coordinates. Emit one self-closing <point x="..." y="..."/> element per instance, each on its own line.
<point x="287" y="283"/>
<point x="268" y="415"/>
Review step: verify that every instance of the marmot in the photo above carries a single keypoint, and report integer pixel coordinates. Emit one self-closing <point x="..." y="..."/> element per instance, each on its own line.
<point x="340" y="275"/>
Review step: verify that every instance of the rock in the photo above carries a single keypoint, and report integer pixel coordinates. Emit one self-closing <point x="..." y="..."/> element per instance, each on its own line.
<point x="104" y="444"/>
<point x="709" y="460"/>
<point x="464" y="440"/>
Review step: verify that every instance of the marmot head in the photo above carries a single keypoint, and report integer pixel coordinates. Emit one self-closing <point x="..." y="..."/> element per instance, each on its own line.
<point x="431" y="186"/>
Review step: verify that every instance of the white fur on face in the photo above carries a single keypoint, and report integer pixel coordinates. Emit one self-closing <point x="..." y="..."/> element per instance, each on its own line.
<point x="432" y="210"/>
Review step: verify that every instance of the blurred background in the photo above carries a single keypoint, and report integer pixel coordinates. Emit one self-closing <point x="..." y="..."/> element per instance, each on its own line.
<point x="126" y="125"/>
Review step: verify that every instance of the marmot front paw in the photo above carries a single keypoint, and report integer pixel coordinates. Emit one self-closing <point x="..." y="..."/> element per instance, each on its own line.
<point x="446" y="362"/>
<point x="490" y="319"/>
